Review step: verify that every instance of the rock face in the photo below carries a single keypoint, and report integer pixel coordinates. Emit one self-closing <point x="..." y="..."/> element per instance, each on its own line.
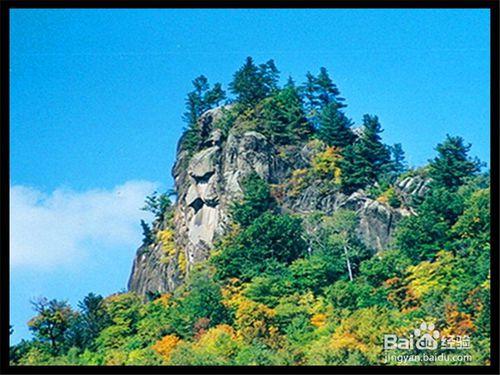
<point x="209" y="181"/>
<point x="376" y="220"/>
<point x="148" y="272"/>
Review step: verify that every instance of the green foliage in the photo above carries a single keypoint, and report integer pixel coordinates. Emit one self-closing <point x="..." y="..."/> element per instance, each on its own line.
<point x="452" y="166"/>
<point x="326" y="166"/>
<point x="367" y="160"/>
<point x="271" y="286"/>
<point x="158" y="204"/>
<point x="384" y="266"/>
<point x="52" y="322"/>
<point x="147" y="235"/>
<point x="390" y="197"/>
<point x="309" y="91"/>
<point x="252" y="83"/>
<point x="334" y="126"/>
<point x="474" y="223"/>
<point x="201" y="300"/>
<point x="420" y="237"/>
<point x="315" y="272"/>
<point x="201" y="99"/>
<point x="91" y="320"/>
<point x="124" y="312"/>
<point x="327" y="90"/>
<point x="257" y="199"/>
<point x="253" y="250"/>
<point x="227" y="120"/>
<point x="281" y="118"/>
<point x="340" y="242"/>
<point x="399" y="165"/>
<point x="303" y="289"/>
<point x="320" y="91"/>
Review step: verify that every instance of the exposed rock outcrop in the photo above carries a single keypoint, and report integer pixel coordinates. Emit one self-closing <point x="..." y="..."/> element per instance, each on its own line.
<point x="208" y="181"/>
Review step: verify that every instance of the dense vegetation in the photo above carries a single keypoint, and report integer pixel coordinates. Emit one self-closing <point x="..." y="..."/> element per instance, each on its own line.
<point x="293" y="289"/>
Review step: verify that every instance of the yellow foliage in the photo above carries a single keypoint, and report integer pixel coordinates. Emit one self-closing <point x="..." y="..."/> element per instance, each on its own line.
<point x="166" y="238"/>
<point x="325" y="164"/>
<point x="318" y="320"/>
<point x="428" y="277"/>
<point x="212" y="338"/>
<point x="458" y="323"/>
<point x="231" y="293"/>
<point x="347" y="341"/>
<point x="166" y="345"/>
<point x="364" y="329"/>
<point x="115" y="358"/>
<point x="298" y="181"/>
<point x="253" y="319"/>
<point x="389" y="197"/>
<point x="383" y="198"/>
<point x="164" y="299"/>
<point x="182" y="262"/>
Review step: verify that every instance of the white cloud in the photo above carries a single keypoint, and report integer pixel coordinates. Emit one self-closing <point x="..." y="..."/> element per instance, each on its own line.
<point x="63" y="227"/>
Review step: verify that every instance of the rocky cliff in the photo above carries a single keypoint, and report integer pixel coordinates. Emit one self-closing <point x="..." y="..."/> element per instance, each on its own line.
<point x="207" y="181"/>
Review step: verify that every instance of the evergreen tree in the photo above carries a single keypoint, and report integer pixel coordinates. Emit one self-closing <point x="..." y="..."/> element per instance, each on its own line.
<point x="214" y="96"/>
<point x="367" y="160"/>
<point x="421" y="236"/>
<point x="91" y="320"/>
<point x="309" y="91"/>
<point x="327" y="90"/>
<point x="158" y="204"/>
<point x="252" y="83"/>
<point x="353" y="168"/>
<point x="147" y="235"/>
<point x="399" y="164"/>
<point x="201" y="99"/>
<point x="320" y="91"/>
<point x="268" y="241"/>
<point x="290" y="83"/>
<point x="452" y="165"/>
<point x="257" y="199"/>
<point x="282" y="117"/>
<point x="269" y="75"/>
<point x="93" y="315"/>
<point x="335" y="127"/>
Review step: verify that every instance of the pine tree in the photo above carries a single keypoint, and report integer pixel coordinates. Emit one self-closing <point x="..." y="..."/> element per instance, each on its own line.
<point x="318" y="92"/>
<point x="269" y="76"/>
<point x="327" y="90"/>
<point x="282" y="117"/>
<point x="373" y="149"/>
<point x="214" y="96"/>
<point x="290" y="83"/>
<point x="452" y="165"/>
<point x="367" y="160"/>
<point x="147" y="235"/>
<point x="201" y="99"/>
<point x="257" y="199"/>
<point x="252" y="83"/>
<point x="399" y="164"/>
<point x="334" y="126"/>
<point x="309" y="90"/>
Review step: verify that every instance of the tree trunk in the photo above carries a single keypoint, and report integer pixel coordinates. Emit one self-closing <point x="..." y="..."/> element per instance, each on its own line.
<point x="348" y="263"/>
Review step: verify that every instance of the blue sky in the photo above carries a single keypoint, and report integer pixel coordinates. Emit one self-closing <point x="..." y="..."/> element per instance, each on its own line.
<point x="97" y="98"/>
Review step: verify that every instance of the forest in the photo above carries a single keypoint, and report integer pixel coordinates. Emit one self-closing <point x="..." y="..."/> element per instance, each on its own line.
<point x="282" y="288"/>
